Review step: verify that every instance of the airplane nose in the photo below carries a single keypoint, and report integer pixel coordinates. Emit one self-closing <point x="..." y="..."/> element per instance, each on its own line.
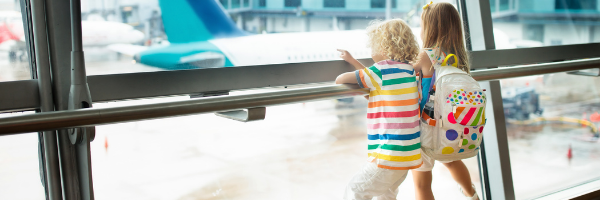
<point x="137" y="36"/>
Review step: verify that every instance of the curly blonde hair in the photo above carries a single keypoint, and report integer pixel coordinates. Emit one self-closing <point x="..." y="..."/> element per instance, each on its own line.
<point x="393" y="38"/>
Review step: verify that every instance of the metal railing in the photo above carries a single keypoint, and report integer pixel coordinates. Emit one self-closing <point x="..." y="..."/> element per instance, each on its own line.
<point x="99" y="116"/>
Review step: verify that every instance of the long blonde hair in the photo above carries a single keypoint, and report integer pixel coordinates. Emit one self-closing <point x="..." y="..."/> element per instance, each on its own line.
<point x="393" y="38"/>
<point x="442" y="28"/>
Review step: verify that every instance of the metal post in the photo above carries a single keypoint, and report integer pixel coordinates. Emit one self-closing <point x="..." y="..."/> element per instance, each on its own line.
<point x="495" y="159"/>
<point x="80" y="98"/>
<point x="50" y="150"/>
<point x="335" y="23"/>
<point x="59" y="39"/>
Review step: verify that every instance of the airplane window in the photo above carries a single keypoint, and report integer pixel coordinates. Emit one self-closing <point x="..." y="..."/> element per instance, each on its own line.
<point x="14" y="56"/>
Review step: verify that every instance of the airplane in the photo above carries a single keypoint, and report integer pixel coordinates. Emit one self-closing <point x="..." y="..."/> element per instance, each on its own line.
<point x="95" y="32"/>
<point x="201" y="35"/>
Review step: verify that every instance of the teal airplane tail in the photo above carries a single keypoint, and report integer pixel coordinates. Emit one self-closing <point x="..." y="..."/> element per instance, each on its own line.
<point x="196" y="20"/>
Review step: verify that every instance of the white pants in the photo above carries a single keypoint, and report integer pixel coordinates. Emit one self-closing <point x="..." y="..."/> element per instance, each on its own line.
<point x="428" y="162"/>
<point x="373" y="181"/>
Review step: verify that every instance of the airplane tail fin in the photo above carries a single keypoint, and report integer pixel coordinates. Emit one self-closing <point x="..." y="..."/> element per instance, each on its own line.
<point x="196" y="20"/>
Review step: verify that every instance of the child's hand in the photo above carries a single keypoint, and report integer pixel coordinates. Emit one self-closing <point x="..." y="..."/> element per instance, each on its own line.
<point x="348" y="58"/>
<point x="346" y="55"/>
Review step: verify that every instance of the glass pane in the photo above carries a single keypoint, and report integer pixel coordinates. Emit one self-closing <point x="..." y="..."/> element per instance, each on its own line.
<point x="123" y="36"/>
<point x="14" y="59"/>
<point x="235" y="3"/>
<point x="19" y="166"/>
<point x="552" y="125"/>
<point x="334" y="3"/>
<point x="524" y="23"/>
<point x="300" y="151"/>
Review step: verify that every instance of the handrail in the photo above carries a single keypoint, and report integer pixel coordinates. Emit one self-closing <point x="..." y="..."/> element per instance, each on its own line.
<point x="99" y="116"/>
<point x="535" y="69"/>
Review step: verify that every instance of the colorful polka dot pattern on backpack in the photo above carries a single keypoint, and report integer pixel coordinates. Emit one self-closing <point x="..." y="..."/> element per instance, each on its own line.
<point x="470" y="141"/>
<point x="462" y="97"/>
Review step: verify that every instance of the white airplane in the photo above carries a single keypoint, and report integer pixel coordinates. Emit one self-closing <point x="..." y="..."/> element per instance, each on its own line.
<point x="94" y="32"/>
<point x="201" y="35"/>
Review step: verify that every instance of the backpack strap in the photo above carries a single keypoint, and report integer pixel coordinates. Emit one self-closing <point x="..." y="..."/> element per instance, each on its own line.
<point x="455" y="64"/>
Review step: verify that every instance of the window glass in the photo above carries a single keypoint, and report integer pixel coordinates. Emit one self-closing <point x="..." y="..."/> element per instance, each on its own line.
<point x="524" y="23"/>
<point x="19" y="165"/>
<point x="334" y="3"/>
<point x="310" y="154"/>
<point x="576" y="5"/>
<point x="235" y="3"/>
<point x="224" y="3"/>
<point x="381" y="3"/>
<point x="125" y="36"/>
<point x="14" y="58"/>
<point x="292" y="3"/>
<point x="552" y="123"/>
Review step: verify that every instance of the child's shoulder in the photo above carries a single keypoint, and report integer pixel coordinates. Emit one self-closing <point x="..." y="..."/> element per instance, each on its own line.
<point x="391" y="63"/>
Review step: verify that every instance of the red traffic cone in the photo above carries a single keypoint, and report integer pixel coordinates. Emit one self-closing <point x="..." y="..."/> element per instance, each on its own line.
<point x="106" y="143"/>
<point x="570" y="153"/>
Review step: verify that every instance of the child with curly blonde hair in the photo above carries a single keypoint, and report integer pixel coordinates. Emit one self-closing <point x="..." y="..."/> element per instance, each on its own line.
<point x="393" y="110"/>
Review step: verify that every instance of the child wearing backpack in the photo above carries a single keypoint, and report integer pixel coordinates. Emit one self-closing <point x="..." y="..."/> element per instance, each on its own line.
<point x="393" y="110"/>
<point x="452" y="103"/>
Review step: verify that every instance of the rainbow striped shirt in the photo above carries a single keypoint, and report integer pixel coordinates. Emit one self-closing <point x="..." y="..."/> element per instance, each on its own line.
<point x="393" y="115"/>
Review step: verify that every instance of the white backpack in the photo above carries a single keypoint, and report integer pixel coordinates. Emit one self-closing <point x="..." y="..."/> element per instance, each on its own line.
<point x="454" y="132"/>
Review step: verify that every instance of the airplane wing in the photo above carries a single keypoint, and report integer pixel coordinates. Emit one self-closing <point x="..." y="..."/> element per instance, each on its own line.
<point x="127" y="49"/>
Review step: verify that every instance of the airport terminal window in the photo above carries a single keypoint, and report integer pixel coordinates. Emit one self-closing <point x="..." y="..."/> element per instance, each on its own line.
<point x="381" y="3"/>
<point x="159" y="35"/>
<point x="552" y="123"/>
<point x="19" y="165"/>
<point x="310" y="154"/>
<point x="224" y="3"/>
<point x="235" y="3"/>
<point x="576" y="5"/>
<point x="14" y="58"/>
<point x="334" y="3"/>
<point x="537" y="23"/>
<point x="504" y="5"/>
<point x="293" y="3"/>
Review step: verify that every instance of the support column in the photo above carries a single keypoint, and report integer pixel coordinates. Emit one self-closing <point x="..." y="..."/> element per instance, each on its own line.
<point x="50" y="150"/>
<point x="335" y="23"/>
<point x="59" y="33"/>
<point x="494" y="156"/>
<point x="388" y="9"/>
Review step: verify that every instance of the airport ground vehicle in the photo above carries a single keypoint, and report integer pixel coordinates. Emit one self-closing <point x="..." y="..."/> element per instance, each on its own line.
<point x="520" y="102"/>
